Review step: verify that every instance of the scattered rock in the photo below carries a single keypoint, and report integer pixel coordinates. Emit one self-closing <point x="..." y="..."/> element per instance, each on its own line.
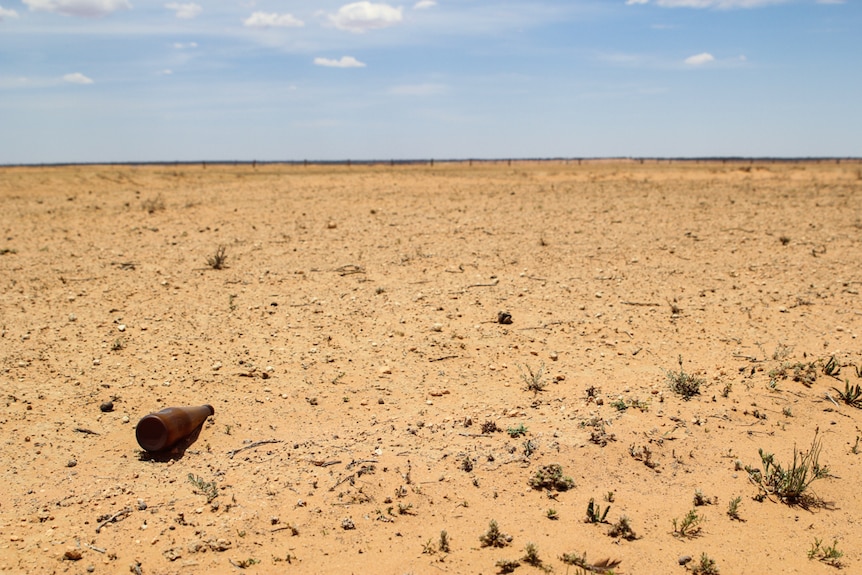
<point x="72" y="554"/>
<point x="347" y="524"/>
<point x="107" y="406"/>
<point x="684" y="559"/>
<point x="71" y="463"/>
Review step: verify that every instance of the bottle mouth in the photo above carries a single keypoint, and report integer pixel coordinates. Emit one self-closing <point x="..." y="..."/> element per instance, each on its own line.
<point x="151" y="433"/>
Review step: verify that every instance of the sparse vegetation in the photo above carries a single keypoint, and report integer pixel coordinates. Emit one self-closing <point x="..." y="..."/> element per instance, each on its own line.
<point x="705" y="566"/>
<point x="551" y="477"/>
<point x="622" y="529"/>
<point x="831" y="367"/>
<point x="444" y="542"/>
<point x="829" y="555"/>
<point x="804" y="373"/>
<point x="531" y="555"/>
<point x="218" y="261"/>
<point x="208" y="488"/>
<point x="689" y="526"/>
<point x="552" y="514"/>
<point x="493" y="537"/>
<point x="684" y="384"/>
<point x="507" y="565"/>
<point x="701" y="499"/>
<point x="534" y="378"/>
<point x="733" y="508"/>
<point x="790" y="484"/>
<point x="852" y="395"/>
<point x="595" y="513"/>
<point x="516" y="431"/>
<point x="603" y="567"/>
<point x="490" y="427"/>
<point x="153" y="205"/>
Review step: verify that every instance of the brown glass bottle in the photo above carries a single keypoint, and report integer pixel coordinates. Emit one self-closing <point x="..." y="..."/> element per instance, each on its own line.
<point x="160" y="430"/>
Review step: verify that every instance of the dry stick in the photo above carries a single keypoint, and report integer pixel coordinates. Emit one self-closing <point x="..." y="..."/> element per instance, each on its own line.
<point x="829" y="397"/>
<point x="642" y="304"/>
<point x="324" y="463"/>
<point x="94" y="548"/>
<point x="442" y="358"/>
<point x="87" y="431"/>
<point x="119" y="514"/>
<point x="233" y="452"/>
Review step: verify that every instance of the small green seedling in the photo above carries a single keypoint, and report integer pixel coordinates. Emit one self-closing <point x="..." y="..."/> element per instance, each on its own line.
<point x="689" y="526"/>
<point x="595" y="513"/>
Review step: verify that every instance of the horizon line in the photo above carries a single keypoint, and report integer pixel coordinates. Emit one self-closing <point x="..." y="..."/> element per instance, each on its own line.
<point x="432" y="161"/>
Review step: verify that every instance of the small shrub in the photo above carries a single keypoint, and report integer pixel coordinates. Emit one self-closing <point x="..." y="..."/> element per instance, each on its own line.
<point x="705" y="566"/>
<point x="218" y="261"/>
<point x="534" y="379"/>
<point x="831" y="367"/>
<point x="551" y="477"/>
<point x="516" y="431"/>
<point x="208" y="488"/>
<point x="603" y="567"/>
<point x="153" y="205"/>
<point x="552" y="514"/>
<point x="852" y="395"/>
<point x="829" y="555"/>
<point x="493" y="537"/>
<point x="507" y="566"/>
<point x="790" y="484"/>
<point x="683" y="383"/>
<point x="701" y="499"/>
<point x="595" y="513"/>
<point x="733" y="508"/>
<point x="444" y="541"/>
<point x="531" y="555"/>
<point x="490" y="427"/>
<point x="622" y="529"/>
<point x="689" y="526"/>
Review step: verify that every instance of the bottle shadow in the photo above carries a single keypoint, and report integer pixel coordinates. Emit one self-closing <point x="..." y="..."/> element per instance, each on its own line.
<point x="176" y="451"/>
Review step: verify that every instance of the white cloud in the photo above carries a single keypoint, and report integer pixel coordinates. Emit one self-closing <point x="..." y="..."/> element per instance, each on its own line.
<point x="700" y="59"/>
<point x="831" y="1"/>
<point x="723" y="4"/>
<point x="363" y="16"/>
<point x="77" y="78"/>
<point x="183" y="46"/>
<point x="344" y="62"/>
<point x="167" y="72"/>
<point x="185" y="11"/>
<point x="423" y="4"/>
<point x="84" y="8"/>
<point x="632" y="2"/>
<point x="4" y="13"/>
<point x="272" y="20"/>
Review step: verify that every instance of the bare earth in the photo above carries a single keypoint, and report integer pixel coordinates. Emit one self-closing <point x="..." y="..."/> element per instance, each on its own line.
<point x="355" y="329"/>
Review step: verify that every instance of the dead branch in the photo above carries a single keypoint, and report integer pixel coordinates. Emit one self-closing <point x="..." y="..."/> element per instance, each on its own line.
<point x="233" y="452"/>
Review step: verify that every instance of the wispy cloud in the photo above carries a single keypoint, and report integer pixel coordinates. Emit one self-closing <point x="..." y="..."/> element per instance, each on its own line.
<point x="82" y="8"/>
<point x="721" y="4"/>
<point x="272" y="20"/>
<point x="77" y="78"/>
<point x="700" y="59"/>
<point x="424" y="4"/>
<point x="344" y="62"/>
<point x="6" y="13"/>
<point x="184" y="45"/>
<point x="185" y="11"/>
<point x="364" y="16"/>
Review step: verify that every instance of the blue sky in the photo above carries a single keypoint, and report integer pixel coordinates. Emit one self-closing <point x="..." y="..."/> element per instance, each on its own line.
<point x="138" y="80"/>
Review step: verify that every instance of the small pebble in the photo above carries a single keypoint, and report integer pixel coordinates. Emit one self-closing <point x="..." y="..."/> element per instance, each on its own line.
<point x="72" y="554"/>
<point x="107" y="406"/>
<point x="73" y="317"/>
<point x="125" y="419"/>
<point x="684" y="559"/>
<point x="142" y="505"/>
<point x="437" y="327"/>
<point x="121" y="327"/>
<point x="72" y="463"/>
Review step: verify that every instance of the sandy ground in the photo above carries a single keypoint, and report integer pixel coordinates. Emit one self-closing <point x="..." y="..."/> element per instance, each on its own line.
<point x="356" y="330"/>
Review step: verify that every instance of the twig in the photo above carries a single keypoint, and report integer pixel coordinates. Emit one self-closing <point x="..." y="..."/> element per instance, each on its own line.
<point x="94" y="548"/>
<point x="233" y="452"/>
<point x="87" y="431"/>
<point x="113" y="518"/>
<point x="492" y="284"/>
<point x="350" y="477"/>
<point x="641" y="304"/>
<point x="361" y="461"/>
<point x="829" y="397"/>
<point x="324" y="463"/>
<point x="442" y="358"/>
